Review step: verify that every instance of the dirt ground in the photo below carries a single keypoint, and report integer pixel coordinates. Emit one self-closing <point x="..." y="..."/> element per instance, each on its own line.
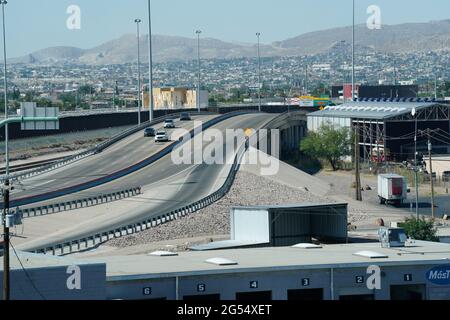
<point x="341" y="187"/>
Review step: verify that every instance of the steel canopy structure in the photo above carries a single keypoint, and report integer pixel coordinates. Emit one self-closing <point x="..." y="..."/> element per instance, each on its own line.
<point x="386" y="126"/>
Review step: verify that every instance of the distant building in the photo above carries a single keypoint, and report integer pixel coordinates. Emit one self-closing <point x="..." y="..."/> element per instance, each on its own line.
<point x="389" y="91"/>
<point x="176" y="98"/>
<point x="344" y="92"/>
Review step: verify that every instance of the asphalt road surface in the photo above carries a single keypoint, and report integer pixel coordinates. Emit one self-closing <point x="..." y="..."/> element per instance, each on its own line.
<point x="167" y="187"/>
<point x="125" y="153"/>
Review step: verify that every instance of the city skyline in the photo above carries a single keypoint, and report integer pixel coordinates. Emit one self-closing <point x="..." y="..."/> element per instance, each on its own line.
<point x="214" y="18"/>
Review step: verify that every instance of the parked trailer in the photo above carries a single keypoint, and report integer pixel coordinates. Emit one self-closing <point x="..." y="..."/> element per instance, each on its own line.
<point x="392" y="189"/>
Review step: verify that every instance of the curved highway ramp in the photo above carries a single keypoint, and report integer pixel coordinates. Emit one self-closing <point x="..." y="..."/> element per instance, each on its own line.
<point x="166" y="188"/>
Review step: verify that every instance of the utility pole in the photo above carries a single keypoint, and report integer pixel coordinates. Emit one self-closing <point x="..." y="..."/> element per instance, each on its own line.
<point x="306" y="79"/>
<point x="138" y="21"/>
<point x="151" y="105"/>
<point x="114" y="95"/>
<point x="395" y="71"/>
<point x="431" y="176"/>
<point x="6" y="278"/>
<point x="435" y="87"/>
<point x="353" y="53"/>
<point x="198" y="32"/>
<point x="416" y="168"/>
<point x="6" y="243"/>
<point x="357" y="171"/>
<point x="258" y="35"/>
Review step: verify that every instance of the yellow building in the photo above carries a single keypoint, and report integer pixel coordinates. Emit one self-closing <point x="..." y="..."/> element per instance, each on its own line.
<point x="175" y="98"/>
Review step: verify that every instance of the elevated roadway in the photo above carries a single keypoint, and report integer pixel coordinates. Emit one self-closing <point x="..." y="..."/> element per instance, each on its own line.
<point x="166" y="186"/>
<point x="120" y="155"/>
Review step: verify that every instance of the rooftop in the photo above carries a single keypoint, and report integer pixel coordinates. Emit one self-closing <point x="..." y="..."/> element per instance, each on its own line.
<point x="290" y="206"/>
<point x="266" y="259"/>
<point x="371" y="110"/>
<point x="37" y="261"/>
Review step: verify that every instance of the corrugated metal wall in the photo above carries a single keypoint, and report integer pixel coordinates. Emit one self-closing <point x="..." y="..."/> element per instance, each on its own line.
<point x="292" y="226"/>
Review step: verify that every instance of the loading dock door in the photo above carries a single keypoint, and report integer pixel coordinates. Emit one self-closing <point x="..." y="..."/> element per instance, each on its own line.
<point x="255" y="296"/>
<point x="357" y="297"/>
<point x="408" y="292"/>
<point x="306" y="294"/>
<point x="203" y="297"/>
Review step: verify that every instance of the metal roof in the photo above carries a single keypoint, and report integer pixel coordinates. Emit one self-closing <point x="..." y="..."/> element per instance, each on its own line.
<point x="269" y="259"/>
<point x="290" y="206"/>
<point x="227" y="244"/>
<point x="371" y="110"/>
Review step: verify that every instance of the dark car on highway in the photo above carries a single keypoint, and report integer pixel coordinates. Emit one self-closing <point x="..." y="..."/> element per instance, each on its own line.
<point x="149" y="132"/>
<point x="185" y="117"/>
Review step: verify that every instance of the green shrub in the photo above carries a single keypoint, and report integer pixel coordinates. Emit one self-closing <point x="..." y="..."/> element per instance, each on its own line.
<point x="420" y="229"/>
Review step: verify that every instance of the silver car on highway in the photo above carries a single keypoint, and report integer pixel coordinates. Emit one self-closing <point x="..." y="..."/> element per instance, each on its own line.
<point x="169" y="124"/>
<point x="161" y="136"/>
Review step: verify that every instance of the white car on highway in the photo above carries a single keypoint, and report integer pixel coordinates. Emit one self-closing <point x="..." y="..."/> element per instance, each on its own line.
<point x="161" y="136"/>
<point x="169" y="124"/>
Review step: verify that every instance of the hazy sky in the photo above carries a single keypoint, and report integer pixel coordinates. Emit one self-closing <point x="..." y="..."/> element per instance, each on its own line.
<point x="33" y="25"/>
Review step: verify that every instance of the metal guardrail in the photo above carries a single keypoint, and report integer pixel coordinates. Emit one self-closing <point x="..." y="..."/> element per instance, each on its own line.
<point x="90" y="242"/>
<point x="97" y="239"/>
<point x="97" y="149"/>
<point x="80" y="203"/>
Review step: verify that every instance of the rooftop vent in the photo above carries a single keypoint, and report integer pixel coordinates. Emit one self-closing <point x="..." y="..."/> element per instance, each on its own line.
<point x="221" y="262"/>
<point x="306" y="246"/>
<point x="163" y="254"/>
<point x="392" y="237"/>
<point x="370" y="254"/>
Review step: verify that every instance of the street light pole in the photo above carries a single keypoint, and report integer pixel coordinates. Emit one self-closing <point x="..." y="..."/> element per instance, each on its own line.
<point x="353" y="53"/>
<point x="150" y="63"/>
<point x="198" y="32"/>
<point x="416" y="169"/>
<point x="430" y="149"/>
<point x="6" y="187"/>
<point x="258" y="35"/>
<point x="138" y="21"/>
<point x="4" y="2"/>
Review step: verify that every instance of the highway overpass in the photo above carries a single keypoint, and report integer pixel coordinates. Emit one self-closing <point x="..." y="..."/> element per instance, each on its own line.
<point x="166" y="188"/>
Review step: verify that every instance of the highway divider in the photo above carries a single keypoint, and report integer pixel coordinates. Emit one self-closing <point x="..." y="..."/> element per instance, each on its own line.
<point x="95" y="150"/>
<point x="92" y="241"/>
<point x="79" y="203"/>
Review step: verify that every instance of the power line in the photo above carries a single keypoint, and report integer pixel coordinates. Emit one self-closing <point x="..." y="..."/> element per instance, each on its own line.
<point x="26" y="273"/>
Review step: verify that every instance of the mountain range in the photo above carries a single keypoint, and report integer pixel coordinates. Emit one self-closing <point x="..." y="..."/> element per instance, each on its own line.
<point x="410" y="37"/>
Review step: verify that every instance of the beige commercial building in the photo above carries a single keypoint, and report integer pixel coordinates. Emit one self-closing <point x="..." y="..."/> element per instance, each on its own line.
<point x="176" y="98"/>
<point x="441" y="164"/>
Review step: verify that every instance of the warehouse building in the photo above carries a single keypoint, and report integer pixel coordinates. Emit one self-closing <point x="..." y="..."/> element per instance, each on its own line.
<point x="46" y="277"/>
<point x="420" y="270"/>
<point x="305" y="271"/>
<point x="386" y="129"/>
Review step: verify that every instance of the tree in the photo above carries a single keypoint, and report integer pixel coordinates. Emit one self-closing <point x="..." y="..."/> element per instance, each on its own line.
<point x="43" y="103"/>
<point x="86" y="89"/>
<point x="420" y="229"/>
<point x="328" y="144"/>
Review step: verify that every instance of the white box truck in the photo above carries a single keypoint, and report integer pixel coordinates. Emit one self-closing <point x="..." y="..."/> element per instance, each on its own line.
<point x="392" y="189"/>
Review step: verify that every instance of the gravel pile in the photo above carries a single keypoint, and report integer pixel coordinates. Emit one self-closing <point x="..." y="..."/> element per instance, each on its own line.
<point x="248" y="189"/>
